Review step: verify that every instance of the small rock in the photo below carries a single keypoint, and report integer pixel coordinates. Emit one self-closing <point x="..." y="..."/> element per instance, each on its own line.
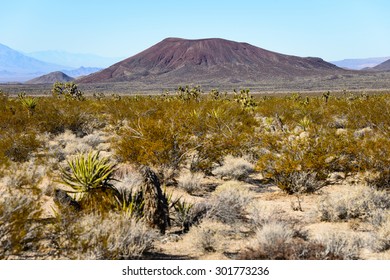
<point x="336" y="176"/>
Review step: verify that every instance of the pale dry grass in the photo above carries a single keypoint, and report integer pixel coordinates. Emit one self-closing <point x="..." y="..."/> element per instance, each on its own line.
<point x="190" y="182"/>
<point x="358" y="202"/>
<point x="229" y="203"/>
<point x="234" y="168"/>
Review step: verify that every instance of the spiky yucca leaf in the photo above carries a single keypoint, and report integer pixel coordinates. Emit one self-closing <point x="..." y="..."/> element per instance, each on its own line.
<point x="131" y="204"/>
<point x="88" y="171"/>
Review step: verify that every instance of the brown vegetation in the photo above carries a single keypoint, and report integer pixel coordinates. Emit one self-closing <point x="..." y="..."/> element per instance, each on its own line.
<point x="74" y="169"/>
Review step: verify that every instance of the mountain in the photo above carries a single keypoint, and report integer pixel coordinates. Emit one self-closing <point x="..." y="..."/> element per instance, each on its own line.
<point x="74" y="60"/>
<point x="15" y="66"/>
<point x="359" y="63"/>
<point x="216" y="61"/>
<point x="384" y="66"/>
<point x="50" y="78"/>
<point x="82" y="71"/>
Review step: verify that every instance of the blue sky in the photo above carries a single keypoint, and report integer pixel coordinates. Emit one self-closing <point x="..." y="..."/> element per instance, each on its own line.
<point x="331" y="29"/>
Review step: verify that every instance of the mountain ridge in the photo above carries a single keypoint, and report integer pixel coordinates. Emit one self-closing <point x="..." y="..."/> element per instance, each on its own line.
<point x="359" y="63"/>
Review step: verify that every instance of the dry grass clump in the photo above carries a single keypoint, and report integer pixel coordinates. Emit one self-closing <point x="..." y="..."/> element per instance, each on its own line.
<point x="380" y="220"/>
<point x="190" y="182"/>
<point x="236" y="168"/>
<point x="19" y="222"/>
<point x="208" y="236"/>
<point x="229" y="203"/>
<point x="277" y="240"/>
<point x="261" y="215"/>
<point x="383" y="234"/>
<point x="361" y="202"/>
<point x="344" y="245"/>
<point x="26" y="174"/>
<point x="111" y="236"/>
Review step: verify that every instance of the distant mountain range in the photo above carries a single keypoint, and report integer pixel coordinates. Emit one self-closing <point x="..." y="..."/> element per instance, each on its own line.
<point x="18" y="67"/>
<point x="360" y="63"/>
<point x="176" y="61"/>
<point x="74" y="60"/>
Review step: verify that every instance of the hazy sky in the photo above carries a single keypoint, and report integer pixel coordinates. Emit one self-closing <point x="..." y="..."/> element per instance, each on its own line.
<point x="331" y="29"/>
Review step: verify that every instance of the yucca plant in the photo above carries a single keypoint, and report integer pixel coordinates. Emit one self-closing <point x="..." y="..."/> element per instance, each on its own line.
<point x="29" y="103"/>
<point x="88" y="171"/>
<point x="91" y="176"/>
<point x="183" y="214"/>
<point x="305" y="123"/>
<point x="131" y="204"/>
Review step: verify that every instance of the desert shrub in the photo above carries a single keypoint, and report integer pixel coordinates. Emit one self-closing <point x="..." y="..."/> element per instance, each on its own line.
<point x="190" y="182"/>
<point x="278" y="240"/>
<point x="18" y="147"/>
<point x="382" y="233"/>
<point x="307" y="158"/>
<point x="298" y="182"/>
<point x="94" y="236"/>
<point x="380" y="180"/>
<point x="23" y="175"/>
<point x="229" y="203"/>
<point x="234" y="168"/>
<point x="262" y="214"/>
<point x="19" y="230"/>
<point x="176" y="133"/>
<point x="376" y="159"/>
<point x="208" y="236"/>
<point x="155" y="138"/>
<point x="297" y="165"/>
<point x="361" y="202"/>
<point x="344" y="245"/>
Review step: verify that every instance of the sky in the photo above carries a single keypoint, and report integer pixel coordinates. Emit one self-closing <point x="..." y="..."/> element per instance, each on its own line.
<point x="331" y="29"/>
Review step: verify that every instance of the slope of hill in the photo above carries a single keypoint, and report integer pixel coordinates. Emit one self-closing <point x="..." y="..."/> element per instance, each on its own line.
<point x="217" y="61"/>
<point x="384" y="66"/>
<point x="50" y="78"/>
<point x="359" y="63"/>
